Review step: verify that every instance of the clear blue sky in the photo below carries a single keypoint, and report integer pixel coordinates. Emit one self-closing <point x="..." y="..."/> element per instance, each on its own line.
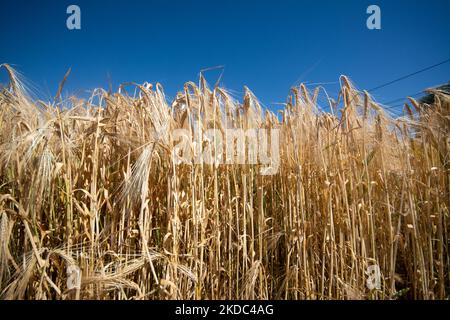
<point x="265" y="45"/>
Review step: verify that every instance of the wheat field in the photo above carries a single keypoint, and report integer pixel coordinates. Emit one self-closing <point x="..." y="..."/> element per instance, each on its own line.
<point x="92" y="184"/>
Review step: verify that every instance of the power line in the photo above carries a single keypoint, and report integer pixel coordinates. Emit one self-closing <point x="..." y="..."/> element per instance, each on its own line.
<point x="409" y="75"/>
<point x="401" y="79"/>
<point x="393" y="107"/>
<point x="403" y="98"/>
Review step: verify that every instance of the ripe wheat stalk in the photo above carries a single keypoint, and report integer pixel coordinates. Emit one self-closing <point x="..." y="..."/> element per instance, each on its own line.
<point x="93" y="184"/>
